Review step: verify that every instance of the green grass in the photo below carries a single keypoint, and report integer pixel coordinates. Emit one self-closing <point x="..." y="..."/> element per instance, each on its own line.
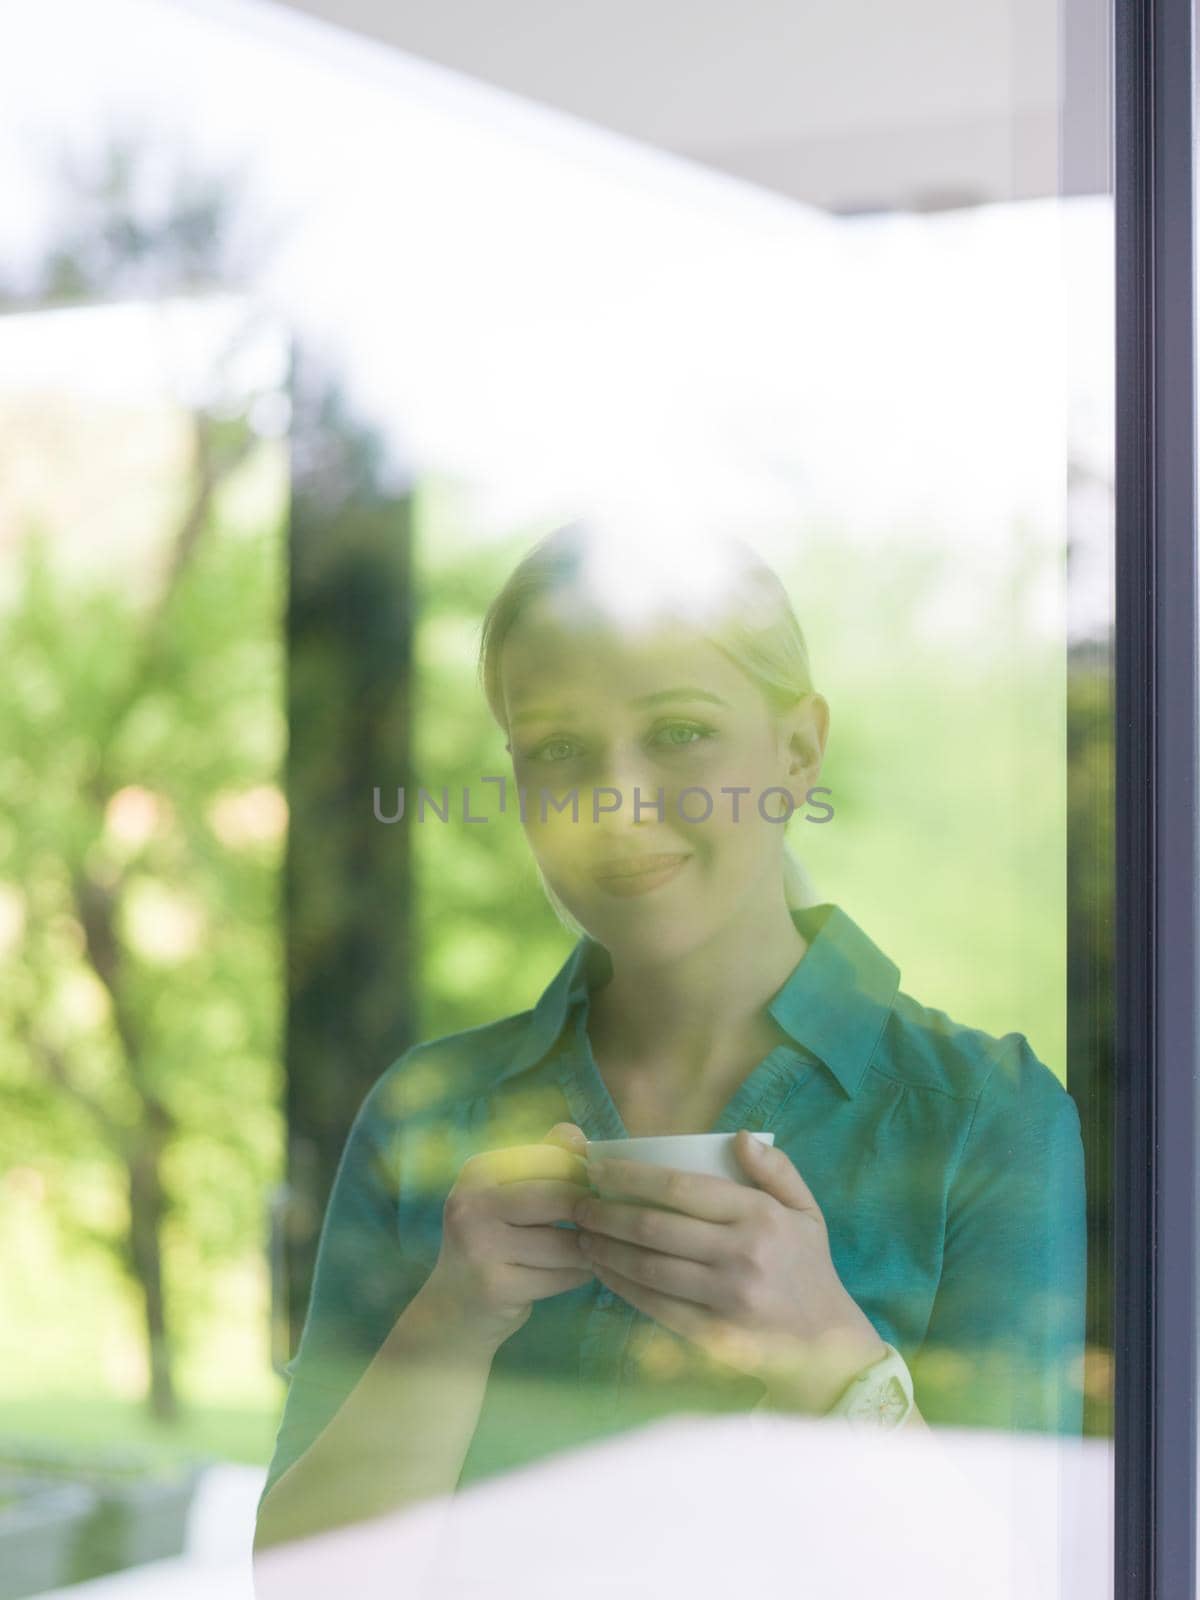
<point x="87" y="1423"/>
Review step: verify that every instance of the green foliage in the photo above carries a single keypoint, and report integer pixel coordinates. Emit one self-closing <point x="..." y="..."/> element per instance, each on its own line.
<point x="139" y="804"/>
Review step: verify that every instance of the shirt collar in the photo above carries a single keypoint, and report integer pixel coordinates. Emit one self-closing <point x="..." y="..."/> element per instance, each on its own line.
<point x="587" y="966"/>
<point x="834" y="1003"/>
<point x="839" y="995"/>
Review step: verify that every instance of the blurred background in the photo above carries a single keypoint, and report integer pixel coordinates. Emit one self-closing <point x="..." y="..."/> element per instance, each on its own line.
<point x="306" y="333"/>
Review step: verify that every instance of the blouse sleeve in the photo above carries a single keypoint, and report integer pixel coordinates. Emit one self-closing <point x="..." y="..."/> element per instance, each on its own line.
<point x="362" y="1281"/>
<point x="1004" y="1344"/>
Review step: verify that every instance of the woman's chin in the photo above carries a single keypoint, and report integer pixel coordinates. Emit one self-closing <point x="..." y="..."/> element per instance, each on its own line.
<point x="645" y="927"/>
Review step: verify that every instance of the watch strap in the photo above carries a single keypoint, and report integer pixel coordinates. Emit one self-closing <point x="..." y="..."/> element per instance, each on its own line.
<point x="881" y="1396"/>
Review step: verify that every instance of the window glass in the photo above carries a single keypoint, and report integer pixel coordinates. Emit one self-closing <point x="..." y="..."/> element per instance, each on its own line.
<point x="322" y="897"/>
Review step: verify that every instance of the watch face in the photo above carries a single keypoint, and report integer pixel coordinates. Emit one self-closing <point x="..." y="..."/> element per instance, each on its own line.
<point x="880" y="1405"/>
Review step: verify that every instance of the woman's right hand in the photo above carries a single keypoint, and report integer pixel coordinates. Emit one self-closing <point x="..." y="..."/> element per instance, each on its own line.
<point x="500" y="1251"/>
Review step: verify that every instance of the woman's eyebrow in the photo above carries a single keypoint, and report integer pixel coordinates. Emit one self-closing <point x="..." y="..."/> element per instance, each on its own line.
<point x="684" y="693"/>
<point x="540" y="714"/>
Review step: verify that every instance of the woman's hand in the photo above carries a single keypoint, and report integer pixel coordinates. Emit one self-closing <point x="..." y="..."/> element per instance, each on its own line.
<point x="744" y="1273"/>
<point x="499" y="1250"/>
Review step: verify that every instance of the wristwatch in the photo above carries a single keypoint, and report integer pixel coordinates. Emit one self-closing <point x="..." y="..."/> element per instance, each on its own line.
<point x="880" y="1397"/>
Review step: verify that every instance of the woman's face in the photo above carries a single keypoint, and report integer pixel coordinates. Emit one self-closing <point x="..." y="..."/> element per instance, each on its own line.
<point x="599" y="721"/>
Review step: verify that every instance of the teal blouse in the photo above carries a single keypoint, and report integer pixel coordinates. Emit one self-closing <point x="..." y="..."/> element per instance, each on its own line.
<point x="947" y="1163"/>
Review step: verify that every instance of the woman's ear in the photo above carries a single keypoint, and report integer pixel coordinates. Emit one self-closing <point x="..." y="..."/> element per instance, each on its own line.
<point x="807" y="727"/>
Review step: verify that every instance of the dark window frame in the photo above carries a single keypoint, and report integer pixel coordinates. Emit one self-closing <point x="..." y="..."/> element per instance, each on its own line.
<point x="1155" y="1130"/>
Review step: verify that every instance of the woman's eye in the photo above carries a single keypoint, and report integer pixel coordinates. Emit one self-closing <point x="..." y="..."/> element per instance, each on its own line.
<point x="679" y="734"/>
<point x="553" y="750"/>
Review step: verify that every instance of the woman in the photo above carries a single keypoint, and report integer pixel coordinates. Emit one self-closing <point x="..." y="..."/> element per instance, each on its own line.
<point x="913" y="1245"/>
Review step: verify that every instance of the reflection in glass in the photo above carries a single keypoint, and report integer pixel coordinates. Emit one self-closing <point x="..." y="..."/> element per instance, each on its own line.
<point x="820" y="286"/>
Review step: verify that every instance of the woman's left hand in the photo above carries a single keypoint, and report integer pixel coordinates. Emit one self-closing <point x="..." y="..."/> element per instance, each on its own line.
<point x="744" y="1273"/>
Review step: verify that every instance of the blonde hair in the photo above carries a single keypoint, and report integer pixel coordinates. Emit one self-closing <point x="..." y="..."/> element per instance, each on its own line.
<point x="725" y="589"/>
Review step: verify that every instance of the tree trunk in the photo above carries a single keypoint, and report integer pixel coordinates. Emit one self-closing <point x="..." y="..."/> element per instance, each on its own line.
<point x="347" y="877"/>
<point x="146" y="1211"/>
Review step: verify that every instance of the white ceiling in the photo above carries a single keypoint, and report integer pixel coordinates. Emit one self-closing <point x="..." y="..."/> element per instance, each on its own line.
<point x="848" y="104"/>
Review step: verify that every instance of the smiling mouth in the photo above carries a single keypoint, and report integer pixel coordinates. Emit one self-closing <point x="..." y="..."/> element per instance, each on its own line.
<point x="637" y="874"/>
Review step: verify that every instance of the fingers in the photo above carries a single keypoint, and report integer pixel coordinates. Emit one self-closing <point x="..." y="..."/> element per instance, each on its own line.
<point x="664" y="1231"/>
<point x="666" y="1275"/>
<point x="542" y="1247"/>
<point x="773" y="1170"/>
<point x="569" y="1137"/>
<point x="680" y="1316"/>
<point x="537" y="1200"/>
<point x="540" y="1283"/>
<point x="692" y="1193"/>
<point x="522" y="1162"/>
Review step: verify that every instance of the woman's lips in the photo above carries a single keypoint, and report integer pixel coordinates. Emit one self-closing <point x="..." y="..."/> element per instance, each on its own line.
<point x="638" y="874"/>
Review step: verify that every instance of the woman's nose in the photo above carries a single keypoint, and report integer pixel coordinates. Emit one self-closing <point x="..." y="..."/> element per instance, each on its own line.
<point x="627" y="785"/>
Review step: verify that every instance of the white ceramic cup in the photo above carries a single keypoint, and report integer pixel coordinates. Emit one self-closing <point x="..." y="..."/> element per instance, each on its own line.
<point x="711" y="1154"/>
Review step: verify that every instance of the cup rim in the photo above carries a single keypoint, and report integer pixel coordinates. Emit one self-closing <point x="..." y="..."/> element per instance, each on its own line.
<point x="767" y="1137"/>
